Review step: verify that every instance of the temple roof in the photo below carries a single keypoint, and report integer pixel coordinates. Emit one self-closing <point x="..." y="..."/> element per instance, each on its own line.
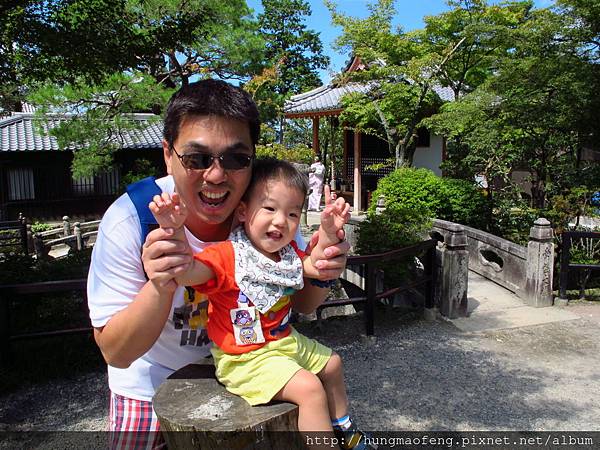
<point x="19" y="132"/>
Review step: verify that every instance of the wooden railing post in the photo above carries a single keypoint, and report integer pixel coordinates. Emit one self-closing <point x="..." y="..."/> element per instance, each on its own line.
<point x="4" y="330"/>
<point x="371" y="289"/>
<point x="430" y="311"/>
<point x="23" y="233"/>
<point x="565" y="259"/>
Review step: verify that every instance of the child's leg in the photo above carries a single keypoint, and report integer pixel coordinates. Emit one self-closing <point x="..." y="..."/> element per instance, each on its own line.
<point x="332" y="377"/>
<point x="306" y="390"/>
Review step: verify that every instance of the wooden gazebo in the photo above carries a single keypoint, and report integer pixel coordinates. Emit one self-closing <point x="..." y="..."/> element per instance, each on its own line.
<point x="360" y="151"/>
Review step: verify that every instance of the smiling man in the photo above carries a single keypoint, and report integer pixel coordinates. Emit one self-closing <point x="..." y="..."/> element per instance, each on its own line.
<point x="145" y="325"/>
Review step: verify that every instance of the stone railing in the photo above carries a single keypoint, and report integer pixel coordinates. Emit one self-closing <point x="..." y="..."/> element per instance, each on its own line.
<point x="76" y="235"/>
<point x="526" y="271"/>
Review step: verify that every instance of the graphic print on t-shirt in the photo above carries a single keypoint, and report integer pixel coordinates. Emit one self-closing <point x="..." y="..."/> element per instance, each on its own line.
<point x="191" y="318"/>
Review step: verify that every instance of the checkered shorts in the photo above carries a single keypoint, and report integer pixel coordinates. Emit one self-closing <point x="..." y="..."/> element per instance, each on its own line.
<point x="132" y="424"/>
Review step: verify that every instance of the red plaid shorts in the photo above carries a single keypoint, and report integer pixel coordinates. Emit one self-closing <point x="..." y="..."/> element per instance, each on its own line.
<point x="132" y="424"/>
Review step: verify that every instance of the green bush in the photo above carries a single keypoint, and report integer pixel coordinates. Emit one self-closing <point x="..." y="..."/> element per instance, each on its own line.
<point x="19" y="268"/>
<point x="142" y="168"/>
<point x="435" y="197"/>
<point x="38" y="227"/>
<point x="396" y="227"/>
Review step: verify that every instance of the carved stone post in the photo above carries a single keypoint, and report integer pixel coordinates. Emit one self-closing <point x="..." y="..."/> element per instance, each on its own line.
<point x="66" y="226"/>
<point x="380" y="208"/>
<point x="454" y="276"/>
<point x="77" y="233"/>
<point x="540" y="263"/>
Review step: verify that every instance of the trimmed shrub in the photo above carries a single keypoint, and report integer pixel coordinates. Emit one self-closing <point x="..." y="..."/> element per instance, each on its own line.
<point x="395" y="228"/>
<point x="435" y="197"/>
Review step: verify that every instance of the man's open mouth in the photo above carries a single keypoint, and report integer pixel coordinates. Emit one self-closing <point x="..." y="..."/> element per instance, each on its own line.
<point x="213" y="198"/>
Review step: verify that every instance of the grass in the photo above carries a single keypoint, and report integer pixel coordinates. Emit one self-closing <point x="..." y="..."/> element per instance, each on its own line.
<point x="592" y="295"/>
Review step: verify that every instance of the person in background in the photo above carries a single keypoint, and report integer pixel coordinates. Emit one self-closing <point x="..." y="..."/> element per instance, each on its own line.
<point x="315" y="180"/>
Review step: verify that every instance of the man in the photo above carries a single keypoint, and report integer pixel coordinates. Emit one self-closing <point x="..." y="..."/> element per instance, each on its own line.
<point x="147" y="328"/>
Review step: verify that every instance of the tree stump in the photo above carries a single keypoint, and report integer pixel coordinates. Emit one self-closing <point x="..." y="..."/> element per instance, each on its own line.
<point x="196" y="411"/>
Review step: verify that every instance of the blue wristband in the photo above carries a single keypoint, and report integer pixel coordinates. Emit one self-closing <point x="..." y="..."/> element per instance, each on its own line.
<point x="323" y="284"/>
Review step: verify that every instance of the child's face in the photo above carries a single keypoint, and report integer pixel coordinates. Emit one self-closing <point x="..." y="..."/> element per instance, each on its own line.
<point x="271" y="216"/>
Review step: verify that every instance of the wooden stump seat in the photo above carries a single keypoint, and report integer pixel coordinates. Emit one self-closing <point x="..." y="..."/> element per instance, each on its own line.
<point x="195" y="411"/>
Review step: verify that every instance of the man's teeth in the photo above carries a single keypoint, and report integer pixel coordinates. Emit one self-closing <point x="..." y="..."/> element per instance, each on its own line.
<point x="214" y="195"/>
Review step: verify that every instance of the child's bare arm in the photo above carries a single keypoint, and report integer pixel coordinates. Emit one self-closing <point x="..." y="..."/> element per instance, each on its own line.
<point x="335" y="214"/>
<point x="170" y="212"/>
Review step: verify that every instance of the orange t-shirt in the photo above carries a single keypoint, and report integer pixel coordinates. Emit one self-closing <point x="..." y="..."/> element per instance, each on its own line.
<point x="223" y="293"/>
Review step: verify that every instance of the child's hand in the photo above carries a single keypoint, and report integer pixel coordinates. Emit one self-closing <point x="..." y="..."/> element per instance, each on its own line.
<point x="169" y="211"/>
<point x="335" y="214"/>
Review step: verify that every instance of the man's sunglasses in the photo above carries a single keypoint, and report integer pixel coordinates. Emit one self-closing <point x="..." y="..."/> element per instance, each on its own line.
<point x="202" y="161"/>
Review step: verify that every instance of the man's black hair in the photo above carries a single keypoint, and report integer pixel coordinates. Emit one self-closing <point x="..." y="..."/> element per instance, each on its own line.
<point x="210" y="98"/>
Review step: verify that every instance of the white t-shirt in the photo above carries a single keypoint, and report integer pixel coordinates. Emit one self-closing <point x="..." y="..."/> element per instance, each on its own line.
<point x="117" y="275"/>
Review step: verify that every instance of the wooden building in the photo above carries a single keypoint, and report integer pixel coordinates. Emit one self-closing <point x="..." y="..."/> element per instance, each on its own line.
<point x="35" y="175"/>
<point x="361" y="151"/>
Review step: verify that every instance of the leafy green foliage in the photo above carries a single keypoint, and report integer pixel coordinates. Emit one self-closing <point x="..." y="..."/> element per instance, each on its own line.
<point x="294" y="54"/>
<point x="103" y="59"/>
<point x="397" y="227"/>
<point x="18" y="268"/>
<point x="535" y="113"/>
<point x="38" y="227"/>
<point x="96" y="115"/>
<point x="142" y="168"/>
<point x="456" y="49"/>
<point x="432" y="196"/>
<point x="298" y="154"/>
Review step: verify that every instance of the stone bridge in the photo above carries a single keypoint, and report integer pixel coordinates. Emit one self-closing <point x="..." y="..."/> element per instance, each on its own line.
<point x="524" y="272"/>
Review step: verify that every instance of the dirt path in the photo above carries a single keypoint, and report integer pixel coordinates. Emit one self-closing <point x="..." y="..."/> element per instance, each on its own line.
<point x="414" y="375"/>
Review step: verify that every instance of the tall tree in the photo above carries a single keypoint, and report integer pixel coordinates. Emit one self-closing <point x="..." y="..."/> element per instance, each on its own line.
<point x="295" y="52"/>
<point x="536" y="111"/>
<point x="407" y="70"/>
<point x="90" y="55"/>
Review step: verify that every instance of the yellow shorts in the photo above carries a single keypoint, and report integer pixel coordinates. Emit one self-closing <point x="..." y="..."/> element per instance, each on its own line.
<point x="258" y="375"/>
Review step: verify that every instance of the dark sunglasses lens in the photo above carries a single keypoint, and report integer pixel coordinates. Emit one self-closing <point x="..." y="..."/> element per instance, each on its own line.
<point x="196" y="161"/>
<point x="235" y="161"/>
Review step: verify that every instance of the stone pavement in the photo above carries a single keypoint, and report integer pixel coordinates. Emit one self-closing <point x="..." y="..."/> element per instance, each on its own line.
<point x="492" y="307"/>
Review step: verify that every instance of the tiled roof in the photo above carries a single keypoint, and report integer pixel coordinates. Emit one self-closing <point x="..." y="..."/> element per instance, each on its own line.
<point x="327" y="98"/>
<point x="19" y="132"/>
<point x="324" y="98"/>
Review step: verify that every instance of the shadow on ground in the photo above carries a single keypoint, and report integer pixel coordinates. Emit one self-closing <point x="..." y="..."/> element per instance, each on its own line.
<point x="418" y="375"/>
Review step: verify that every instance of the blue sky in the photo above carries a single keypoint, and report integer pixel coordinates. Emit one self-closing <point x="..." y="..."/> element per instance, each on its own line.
<point x="410" y="16"/>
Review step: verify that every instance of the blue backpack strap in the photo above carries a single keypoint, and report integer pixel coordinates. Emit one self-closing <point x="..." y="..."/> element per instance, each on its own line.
<point x="141" y="193"/>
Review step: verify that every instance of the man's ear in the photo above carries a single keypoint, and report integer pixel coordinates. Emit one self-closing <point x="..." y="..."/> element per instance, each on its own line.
<point x="242" y="211"/>
<point x="168" y="156"/>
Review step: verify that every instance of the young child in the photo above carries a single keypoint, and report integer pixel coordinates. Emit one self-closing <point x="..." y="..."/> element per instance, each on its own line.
<point x="249" y="279"/>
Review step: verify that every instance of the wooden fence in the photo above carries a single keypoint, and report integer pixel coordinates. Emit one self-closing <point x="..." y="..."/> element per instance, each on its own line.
<point x="367" y="264"/>
<point x="568" y="238"/>
<point x="13" y="236"/>
<point x="17" y="291"/>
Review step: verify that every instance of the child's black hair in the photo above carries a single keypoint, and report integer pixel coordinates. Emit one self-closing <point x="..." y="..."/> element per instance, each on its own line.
<point x="271" y="169"/>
